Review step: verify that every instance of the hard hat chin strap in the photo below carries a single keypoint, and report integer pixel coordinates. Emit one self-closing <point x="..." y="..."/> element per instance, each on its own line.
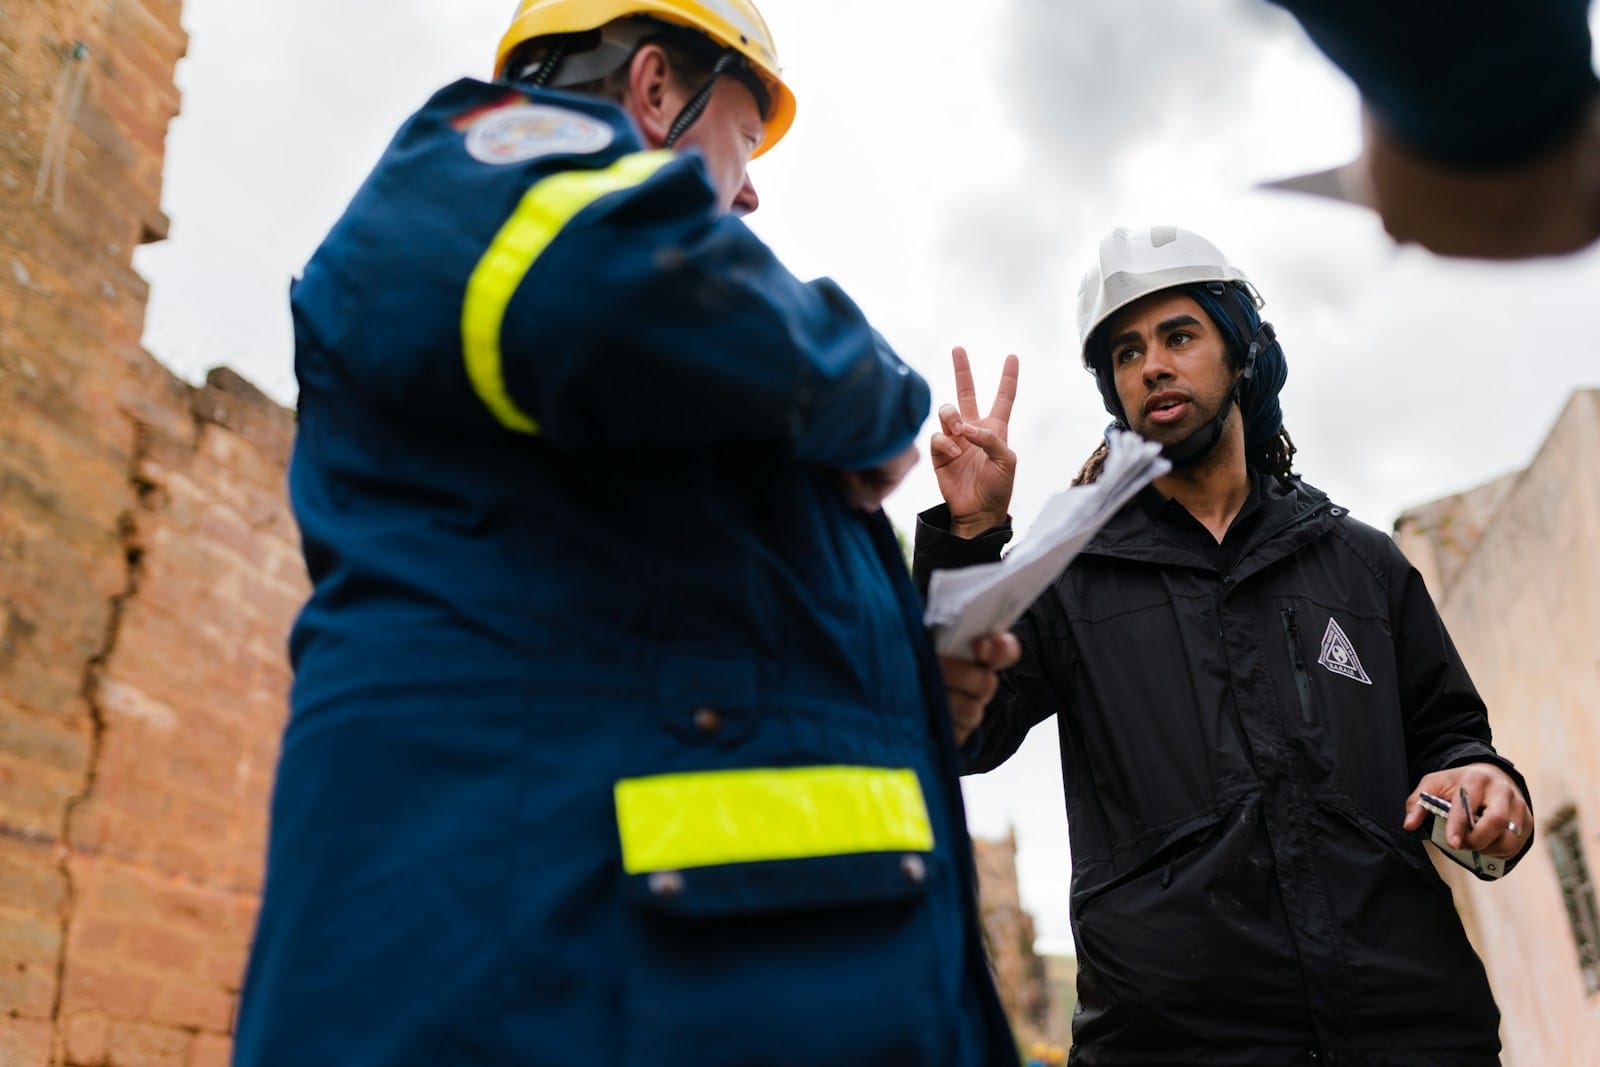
<point x="1199" y="445"/>
<point x="542" y="74"/>
<point x="697" y="104"/>
<point x="727" y="63"/>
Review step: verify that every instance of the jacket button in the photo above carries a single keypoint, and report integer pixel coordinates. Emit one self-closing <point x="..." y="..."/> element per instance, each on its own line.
<point x="707" y="720"/>
<point x="666" y="884"/>
<point x="914" y="867"/>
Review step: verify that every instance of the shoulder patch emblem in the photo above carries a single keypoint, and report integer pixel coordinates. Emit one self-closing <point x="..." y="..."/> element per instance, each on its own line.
<point x="1339" y="655"/>
<point x="522" y="132"/>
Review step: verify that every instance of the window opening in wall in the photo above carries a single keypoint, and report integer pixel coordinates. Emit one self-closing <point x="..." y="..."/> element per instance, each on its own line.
<point x="1577" y="891"/>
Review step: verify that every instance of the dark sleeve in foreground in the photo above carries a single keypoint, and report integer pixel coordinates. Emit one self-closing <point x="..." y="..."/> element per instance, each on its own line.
<point x="1446" y="723"/>
<point x="1476" y="84"/>
<point x="1027" y="695"/>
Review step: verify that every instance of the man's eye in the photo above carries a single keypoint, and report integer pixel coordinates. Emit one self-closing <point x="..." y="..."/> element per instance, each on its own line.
<point x="1180" y="337"/>
<point x="1125" y="355"/>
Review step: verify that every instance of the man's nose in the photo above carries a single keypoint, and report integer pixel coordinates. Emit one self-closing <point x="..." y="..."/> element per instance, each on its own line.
<point x="747" y="200"/>
<point x="1156" y="367"/>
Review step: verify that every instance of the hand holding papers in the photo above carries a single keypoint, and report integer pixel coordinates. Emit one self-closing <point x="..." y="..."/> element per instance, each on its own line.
<point x="969" y="603"/>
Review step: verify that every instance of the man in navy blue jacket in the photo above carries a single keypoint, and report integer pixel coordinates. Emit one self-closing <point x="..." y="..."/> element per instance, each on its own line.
<point x="616" y="736"/>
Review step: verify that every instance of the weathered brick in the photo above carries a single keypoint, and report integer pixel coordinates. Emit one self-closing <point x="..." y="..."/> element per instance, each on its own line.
<point x="195" y="1005"/>
<point x="222" y="527"/>
<point x="224" y="968"/>
<point x="33" y="799"/>
<point x="119" y="991"/>
<point x="129" y="707"/>
<point x="211" y="1050"/>
<point x="141" y="1044"/>
<point x="163" y="948"/>
<point x="110" y="135"/>
<point x="99" y="937"/>
<point x="273" y="600"/>
<point x="25" y="1042"/>
<point x="126" y="120"/>
<point x="30" y="877"/>
<point x="263" y="509"/>
<point x="286" y="564"/>
<point x="183" y="860"/>
<point x="30" y="945"/>
<point x="88" y="1037"/>
<point x="246" y="411"/>
<point x="47" y="743"/>
<point x="156" y="695"/>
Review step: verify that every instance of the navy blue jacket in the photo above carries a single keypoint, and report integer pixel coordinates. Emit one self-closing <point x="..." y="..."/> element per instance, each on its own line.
<point x="616" y="735"/>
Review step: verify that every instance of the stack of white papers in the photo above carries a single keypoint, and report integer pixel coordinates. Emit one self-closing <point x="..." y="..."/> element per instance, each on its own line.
<point x="969" y="603"/>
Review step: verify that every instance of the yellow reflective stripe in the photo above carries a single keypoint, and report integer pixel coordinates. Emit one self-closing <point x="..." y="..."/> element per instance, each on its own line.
<point x="545" y="208"/>
<point x="675" y="821"/>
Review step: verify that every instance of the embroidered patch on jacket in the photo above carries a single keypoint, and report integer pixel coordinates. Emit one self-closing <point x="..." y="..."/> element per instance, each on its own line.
<point x="522" y="132"/>
<point x="1339" y="655"/>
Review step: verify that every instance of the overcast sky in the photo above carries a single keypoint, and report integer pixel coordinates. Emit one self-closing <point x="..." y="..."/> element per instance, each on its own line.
<point x="953" y="166"/>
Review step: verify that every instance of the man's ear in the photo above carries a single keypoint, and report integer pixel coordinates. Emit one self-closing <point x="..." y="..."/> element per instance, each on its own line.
<point x="651" y="98"/>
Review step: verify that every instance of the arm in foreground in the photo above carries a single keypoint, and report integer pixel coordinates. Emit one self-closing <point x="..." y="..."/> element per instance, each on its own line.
<point x="1482" y="129"/>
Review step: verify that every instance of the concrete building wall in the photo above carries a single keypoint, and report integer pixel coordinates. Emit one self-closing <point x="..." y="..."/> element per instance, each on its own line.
<point x="1515" y="568"/>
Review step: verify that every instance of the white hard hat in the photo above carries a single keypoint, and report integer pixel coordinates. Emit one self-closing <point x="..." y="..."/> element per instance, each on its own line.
<point x="1136" y="263"/>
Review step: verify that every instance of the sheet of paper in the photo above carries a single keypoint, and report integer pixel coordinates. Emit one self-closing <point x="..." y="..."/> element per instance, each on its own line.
<point x="968" y="603"/>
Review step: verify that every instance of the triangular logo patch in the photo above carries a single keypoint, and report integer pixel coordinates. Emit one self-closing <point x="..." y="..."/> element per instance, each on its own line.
<point x="1339" y="655"/>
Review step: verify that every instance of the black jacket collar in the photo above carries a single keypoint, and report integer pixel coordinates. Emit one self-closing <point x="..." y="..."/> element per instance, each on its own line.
<point x="1291" y="515"/>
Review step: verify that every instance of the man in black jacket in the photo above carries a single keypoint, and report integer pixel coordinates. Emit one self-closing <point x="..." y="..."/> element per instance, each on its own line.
<point x="1253" y="690"/>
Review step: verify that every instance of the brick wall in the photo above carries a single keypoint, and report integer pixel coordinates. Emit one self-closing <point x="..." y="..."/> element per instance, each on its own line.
<point x="148" y="571"/>
<point x="1020" y="973"/>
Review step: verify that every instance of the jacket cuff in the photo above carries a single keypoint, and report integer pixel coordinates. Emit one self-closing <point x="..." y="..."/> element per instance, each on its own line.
<point x="937" y="549"/>
<point x="1465" y="754"/>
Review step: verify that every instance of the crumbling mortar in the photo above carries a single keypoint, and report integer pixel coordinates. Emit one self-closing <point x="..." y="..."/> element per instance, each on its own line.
<point x="93" y="671"/>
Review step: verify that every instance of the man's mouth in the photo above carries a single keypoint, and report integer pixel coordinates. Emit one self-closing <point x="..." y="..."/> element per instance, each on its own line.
<point x="1164" y="408"/>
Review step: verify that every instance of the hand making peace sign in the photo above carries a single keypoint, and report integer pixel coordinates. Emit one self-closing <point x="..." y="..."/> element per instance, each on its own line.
<point x="974" y="466"/>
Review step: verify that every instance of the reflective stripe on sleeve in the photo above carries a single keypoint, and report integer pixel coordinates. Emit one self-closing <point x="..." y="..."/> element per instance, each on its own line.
<point x="677" y="821"/>
<point x="544" y="210"/>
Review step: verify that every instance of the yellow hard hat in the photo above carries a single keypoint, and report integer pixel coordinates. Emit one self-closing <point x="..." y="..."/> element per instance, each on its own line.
<point x="733" y="24"/>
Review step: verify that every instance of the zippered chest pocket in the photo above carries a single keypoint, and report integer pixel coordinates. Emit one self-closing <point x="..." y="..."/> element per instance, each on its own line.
<point x="1297" y="660"/>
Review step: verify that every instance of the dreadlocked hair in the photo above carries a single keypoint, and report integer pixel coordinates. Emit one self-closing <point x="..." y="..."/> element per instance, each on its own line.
<point x="1275" y="458"/>
<point x="1089" y="473"/>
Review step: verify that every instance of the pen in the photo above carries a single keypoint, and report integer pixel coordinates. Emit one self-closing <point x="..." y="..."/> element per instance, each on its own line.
<point x="1466" y="806"/>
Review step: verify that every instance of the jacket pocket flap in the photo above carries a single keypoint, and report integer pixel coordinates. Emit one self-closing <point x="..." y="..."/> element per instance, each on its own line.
<point x="816" y="883"/>
<point x="763" y="839"/>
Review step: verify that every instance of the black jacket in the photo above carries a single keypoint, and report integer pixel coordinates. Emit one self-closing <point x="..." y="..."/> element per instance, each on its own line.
<point x="1240" y="727"/>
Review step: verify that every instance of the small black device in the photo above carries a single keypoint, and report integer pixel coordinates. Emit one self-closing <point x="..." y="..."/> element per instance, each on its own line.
<point x="1433" y="830"/>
